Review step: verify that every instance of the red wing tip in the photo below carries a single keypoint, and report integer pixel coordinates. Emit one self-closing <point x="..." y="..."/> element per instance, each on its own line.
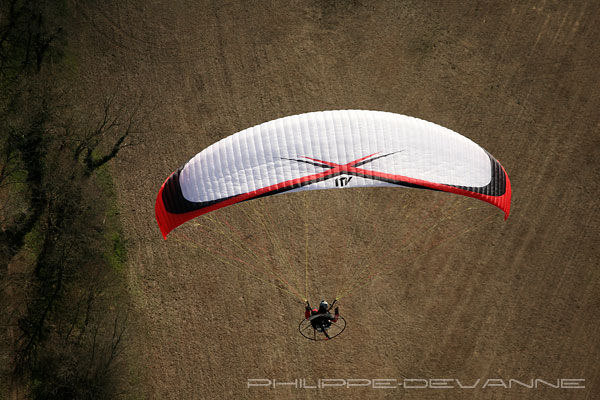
<point x="160" y="213"/>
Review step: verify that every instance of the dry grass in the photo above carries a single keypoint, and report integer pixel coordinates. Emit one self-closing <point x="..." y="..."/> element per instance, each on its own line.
<point x="516" y="299"/>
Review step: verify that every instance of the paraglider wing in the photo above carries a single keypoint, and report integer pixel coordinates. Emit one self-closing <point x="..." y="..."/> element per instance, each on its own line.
<point x="328" y="150"/>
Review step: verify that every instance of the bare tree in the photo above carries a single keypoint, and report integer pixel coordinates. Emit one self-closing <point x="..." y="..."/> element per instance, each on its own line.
<point x="117" y="128"/>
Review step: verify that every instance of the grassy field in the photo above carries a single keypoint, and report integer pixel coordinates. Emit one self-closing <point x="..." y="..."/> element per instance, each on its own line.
<point x="504" y="300"/>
